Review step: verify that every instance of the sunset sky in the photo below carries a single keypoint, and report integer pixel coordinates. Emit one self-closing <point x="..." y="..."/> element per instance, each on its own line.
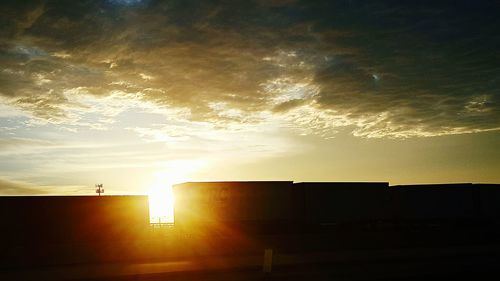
<point x="137" y="94"/>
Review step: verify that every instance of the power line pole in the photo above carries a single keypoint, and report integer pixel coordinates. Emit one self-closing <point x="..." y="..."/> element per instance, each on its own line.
<point x="99" y="189"/>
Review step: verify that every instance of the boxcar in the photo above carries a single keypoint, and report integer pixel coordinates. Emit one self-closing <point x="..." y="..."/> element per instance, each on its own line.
<point x="72" y="218"/>
<point x="436" y="202"/>
<point x="212" y="205"/>
<point x="344" y="202"/>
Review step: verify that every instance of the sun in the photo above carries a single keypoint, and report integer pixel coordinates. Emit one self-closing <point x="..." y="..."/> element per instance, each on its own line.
<point x="161" y="204"/>
<point x="161" y="196"/>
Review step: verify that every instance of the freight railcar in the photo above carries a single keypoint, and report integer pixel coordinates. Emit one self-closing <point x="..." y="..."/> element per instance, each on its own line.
<point x="220" y="206"/>
<point x="451" y="202"/>
<point x="341" y="203"/>
<point x="285" y="206"/>
<point x="489" y="197"/>
<point x="277" y="206"/>
<point x="65" y="219"/>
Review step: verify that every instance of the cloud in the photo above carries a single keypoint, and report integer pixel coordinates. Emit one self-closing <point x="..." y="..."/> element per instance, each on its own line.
<point x="381" y="70"/>
<point x="9" y="187"/>
<point x="426" y="82"/>
<point x="10" y="143"/>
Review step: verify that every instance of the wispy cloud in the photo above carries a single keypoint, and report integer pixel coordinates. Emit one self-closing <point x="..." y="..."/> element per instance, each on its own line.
<point x="20" y="188"/>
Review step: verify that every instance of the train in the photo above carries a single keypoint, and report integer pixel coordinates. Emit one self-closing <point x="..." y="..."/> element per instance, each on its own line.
<point x="215" y="218"/>
<point x="72" y="219"/>
<point x="259" y="206"/>
<point x="279" y="206"/>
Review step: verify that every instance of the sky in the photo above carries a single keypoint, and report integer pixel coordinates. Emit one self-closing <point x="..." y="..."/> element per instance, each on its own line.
<point x="140" y="94"/>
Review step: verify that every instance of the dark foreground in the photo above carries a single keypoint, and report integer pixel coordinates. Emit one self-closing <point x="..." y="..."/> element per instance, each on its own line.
<point x="472" y="263"/>
<point x="316" y="231"/>
<point x="301" y="257"/>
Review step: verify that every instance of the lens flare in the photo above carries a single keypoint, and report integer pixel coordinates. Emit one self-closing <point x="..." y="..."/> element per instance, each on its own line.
<point x="161" y="205"/>
<point x="161" y="196"/>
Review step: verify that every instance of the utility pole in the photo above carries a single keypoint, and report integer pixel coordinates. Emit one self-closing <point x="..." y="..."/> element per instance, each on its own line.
<point x="99" y="189"/>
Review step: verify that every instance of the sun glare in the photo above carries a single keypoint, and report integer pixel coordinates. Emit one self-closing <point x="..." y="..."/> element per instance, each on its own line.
<point x="161" y="196"/>
<point x="161" y="205"/>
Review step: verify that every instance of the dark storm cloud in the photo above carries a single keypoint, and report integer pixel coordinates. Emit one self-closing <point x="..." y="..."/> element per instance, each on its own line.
<point x="422" y="65"/>
<point x="386" y="68"/>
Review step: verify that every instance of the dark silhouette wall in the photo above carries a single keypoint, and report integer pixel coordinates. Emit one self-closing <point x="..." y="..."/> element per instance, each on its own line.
<point x="32" y="219"/>
<point x="325" y="202"/>
<point x="440" y="201"/>
<point x="235" y="217"/>
<point x="269" y="205"/>
<point x="309" y="204"/>
<point x="202" y="204"/>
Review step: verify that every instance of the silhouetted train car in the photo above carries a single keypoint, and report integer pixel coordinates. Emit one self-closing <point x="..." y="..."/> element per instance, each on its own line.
<point x="223" y="206"/>
<point x="490" y="201"/>
<point x="436" y="202"/>
<point x="61" y="219"/>
<point x="344" y="202"/>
